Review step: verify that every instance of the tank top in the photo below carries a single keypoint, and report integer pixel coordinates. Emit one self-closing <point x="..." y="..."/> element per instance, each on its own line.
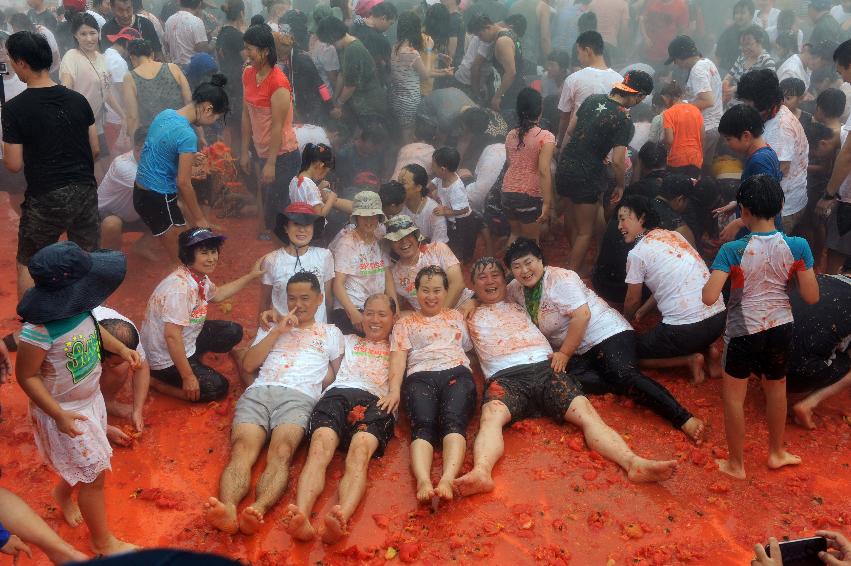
<point x="509" y="99"/>
<point x="156" y="94"/>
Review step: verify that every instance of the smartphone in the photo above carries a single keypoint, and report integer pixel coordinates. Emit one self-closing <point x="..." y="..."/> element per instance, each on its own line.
<point x="801" y="552"/>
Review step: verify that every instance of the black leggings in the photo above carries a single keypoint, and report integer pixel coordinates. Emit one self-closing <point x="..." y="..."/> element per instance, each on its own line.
<point x="439" y="402"/>
<point x="611" y="367"/>
<point x="219" y="336"/>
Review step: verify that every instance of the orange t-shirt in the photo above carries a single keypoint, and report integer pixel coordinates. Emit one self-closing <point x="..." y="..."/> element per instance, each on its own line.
<point x="687" y="123"/>
<point x="258" y="99"/>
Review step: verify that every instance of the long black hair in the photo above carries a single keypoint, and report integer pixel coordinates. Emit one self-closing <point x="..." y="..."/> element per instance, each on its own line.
<point x="214" y="93"/>
<point x="409" y="28"/>
<point x="529" y="106"/>
<point x="260" y="36"/>
<point x="419" y="175"/>
<point x="81" y="19"/>
<point x="314" y="152"/>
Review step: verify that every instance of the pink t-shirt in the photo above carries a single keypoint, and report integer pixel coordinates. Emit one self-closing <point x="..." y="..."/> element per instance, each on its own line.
<point x="522" y="174"/>
<point x="433" y="343"/>
<point x="258" y="99"/>
<point x="404" y="276"/>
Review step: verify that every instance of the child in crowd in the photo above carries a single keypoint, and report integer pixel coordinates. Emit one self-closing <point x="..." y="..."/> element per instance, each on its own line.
<point x="830" y="105"/>
<point x="59" y="368"/>
<point x="759" y="317"/>
<point x="683" y="132"/>
<point x="448" y="189"/>
<point x="823" y="148"/>
<point x="793" y="90"/>
<point x="316" y="161"/>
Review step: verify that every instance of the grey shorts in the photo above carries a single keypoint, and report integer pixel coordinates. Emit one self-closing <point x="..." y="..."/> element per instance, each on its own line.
<point x="270" y="406"/>
<point x="836" y="240"/>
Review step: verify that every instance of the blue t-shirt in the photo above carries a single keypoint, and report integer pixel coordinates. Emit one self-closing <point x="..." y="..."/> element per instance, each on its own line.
<point x="169" y="135"/>
<point x="4" y="536"/>
<point x="762" y="162"/>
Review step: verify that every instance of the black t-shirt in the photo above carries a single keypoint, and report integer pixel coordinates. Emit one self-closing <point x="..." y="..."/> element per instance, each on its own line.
<point x="819" y="328"/>
<point x="52" y="125"/>
<point x="377" y="45"/>
<point x="601" y="125"/>
<point x="140" y="23"/>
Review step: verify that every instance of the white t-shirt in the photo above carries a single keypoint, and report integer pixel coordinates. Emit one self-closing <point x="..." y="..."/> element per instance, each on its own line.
<point x="364" y="266"/>
<point x="433" y="343"/>
<point x="13" y="86"/>
<point x="279" y="266"/>
<point x="786" y="137"/>
<point x="793" y="67"/>
<point x="54" y="47"/>
<point x="487" y="171"/>
<point x="365" y="365"/>
<point x="404" y="276"/>
<point x="771" y="20"/>
<point x="304" y="189"/>
<point x="176" y="300"/>
<point x="563" y="293"/>
<point x="102" y="313"/>
<point x="583" y="83"/>
<point x="431" y="225"/>
<point x="454" y="196"/>
<point x="98" y="18"/>
<point x="308" y="133"/>
<point x="675" y="274"/>
<point x="704" y="77"/>
<point x="117" y="68"/>
<point x="182" y="31"/>
<point x="325" y="58"/>
<point x="475" y="46"/>
<point x="504" y="336"/>
<point x="300" y="358"/>
<point x="839" y="14"/>
<point x="115" y="192"/>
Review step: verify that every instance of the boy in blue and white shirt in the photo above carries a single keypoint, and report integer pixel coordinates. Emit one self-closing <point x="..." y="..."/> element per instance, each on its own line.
<point x="758" y="335"/>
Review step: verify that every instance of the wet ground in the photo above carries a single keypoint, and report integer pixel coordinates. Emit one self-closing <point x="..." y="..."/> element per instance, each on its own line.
<point x="555" y="502"/>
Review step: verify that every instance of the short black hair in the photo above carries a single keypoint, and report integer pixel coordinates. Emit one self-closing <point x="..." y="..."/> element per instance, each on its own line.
<point x="305" y="277"/>
<point x="384" y="296"/>
<point x="420" y="176"/>
<point x="31" y="48"/>
<point x="478" y="23"/>
<point x="447" y="157"/>
<point x="746" y="4"/>
<point x="331" y="30"/>
<point x="587" y="22"/>
<point x="761" y="195"/>
<point x="792" y="86"/>
<point x="123" y="331"/>
<point x="517" y="23"/>
<point x="480" y="264"/>
<point x="591" y="39"/>
<point x="739" y="119"/>
<point x="643" y="209"/>
<point x="842" y="55"/>
<point x="140" y="48"/>
<point x="831" y="102"/>
<point x="560" y="57"/>
<point x="755" y="32"/>
<point x="521" y="247"/>
<point x="760" y="87"/>
<point x="391" y="192"/>
<point x="432" y="271"/>
<point x="676" y="185"/>
<point x="384" y="10"/>
<point x="654" y="155"/>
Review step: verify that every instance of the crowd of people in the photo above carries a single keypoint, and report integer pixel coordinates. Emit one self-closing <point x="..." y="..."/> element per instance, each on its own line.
<point x="412" y="163"/>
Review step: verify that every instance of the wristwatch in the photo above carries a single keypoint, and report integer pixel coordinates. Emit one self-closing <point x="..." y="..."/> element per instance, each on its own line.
<point x="828" y="196"/>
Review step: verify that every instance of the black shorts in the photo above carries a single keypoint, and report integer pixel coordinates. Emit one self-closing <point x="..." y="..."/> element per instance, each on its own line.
<point x="521" y="207"/>
<point x="672" y="340"/>
<point x="72" y="209"/>
<point x="158" y="211"/>
<point x="765" y="353"/>
<point x="462" y="233"/>
<point x="579" y="182"/>
<point x="812" y="374"/>
<point x="532" y="390"/>
<point x="439" y="403"/>
<point x="337" y="410"/>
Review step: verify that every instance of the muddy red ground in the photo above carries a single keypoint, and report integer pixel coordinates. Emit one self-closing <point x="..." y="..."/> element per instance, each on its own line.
<point x="555" y="502"/>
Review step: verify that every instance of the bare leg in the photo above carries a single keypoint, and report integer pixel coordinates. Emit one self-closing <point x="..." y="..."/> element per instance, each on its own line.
<point x="273" y="480"/>
<point x="169" y="243"/>
<point x="584" y="216"/>
<point x="93" y="507"/>
<point x="487" y="450"/>
<point x="604" y="440"/>
<point x="775" y="412"/>
<point x="111" y="230"/>
<point x="247" y="441"/>
<point x="803" y="409"/>
<point x="147" y="247"/>
<point x="694" y="363"/>
<point x="422" y="454"/>
<point x="111" y="382"/>
<point x="21" y="520"/>
<point x="169" y="390"/>
<point x="734" y="390"/>
<point x="352" y="486"/>
<point x="531" y="231"/>
<point x="713" y="354"/>
<point x="63" y="494"/>
<point x="454" y="448"/>
<point x="311" y="482"/>
<point x="24" y="280"/>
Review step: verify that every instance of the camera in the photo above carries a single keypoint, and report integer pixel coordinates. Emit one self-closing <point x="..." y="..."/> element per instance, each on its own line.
<point x="4" y="70"/>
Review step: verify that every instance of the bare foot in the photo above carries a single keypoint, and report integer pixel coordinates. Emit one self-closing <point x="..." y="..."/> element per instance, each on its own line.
<point x="642" y="470"/>
<point x="118" y="409"/>
<point x="118" y="436"/>
<point x="69" y="554"/>
<point x="737" y="472"/>
<point x="425" y="491"/>
<point x="776" y="461"/>
<point x="714" y="362"/>
<point x="804" y="414"/>
<point x="69" y="507"/>
<point x="221" y="515"/>
<point x="444" y="490"/>
<point x="694" y="429"/>
<point x="250" y="521"/>
<point x="474" y="481"/>
<point x="114" y="546"/>
<point x="336" y="526"/>
<point x="695" y="365"/>
<point x="297" y="525"/>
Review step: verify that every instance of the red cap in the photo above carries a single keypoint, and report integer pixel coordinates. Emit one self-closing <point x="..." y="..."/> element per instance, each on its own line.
<point x="366" y="178"/>
<point x="300" y="208"/>
<point x="79" y="5"/>
<point x="127" y="33"/>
